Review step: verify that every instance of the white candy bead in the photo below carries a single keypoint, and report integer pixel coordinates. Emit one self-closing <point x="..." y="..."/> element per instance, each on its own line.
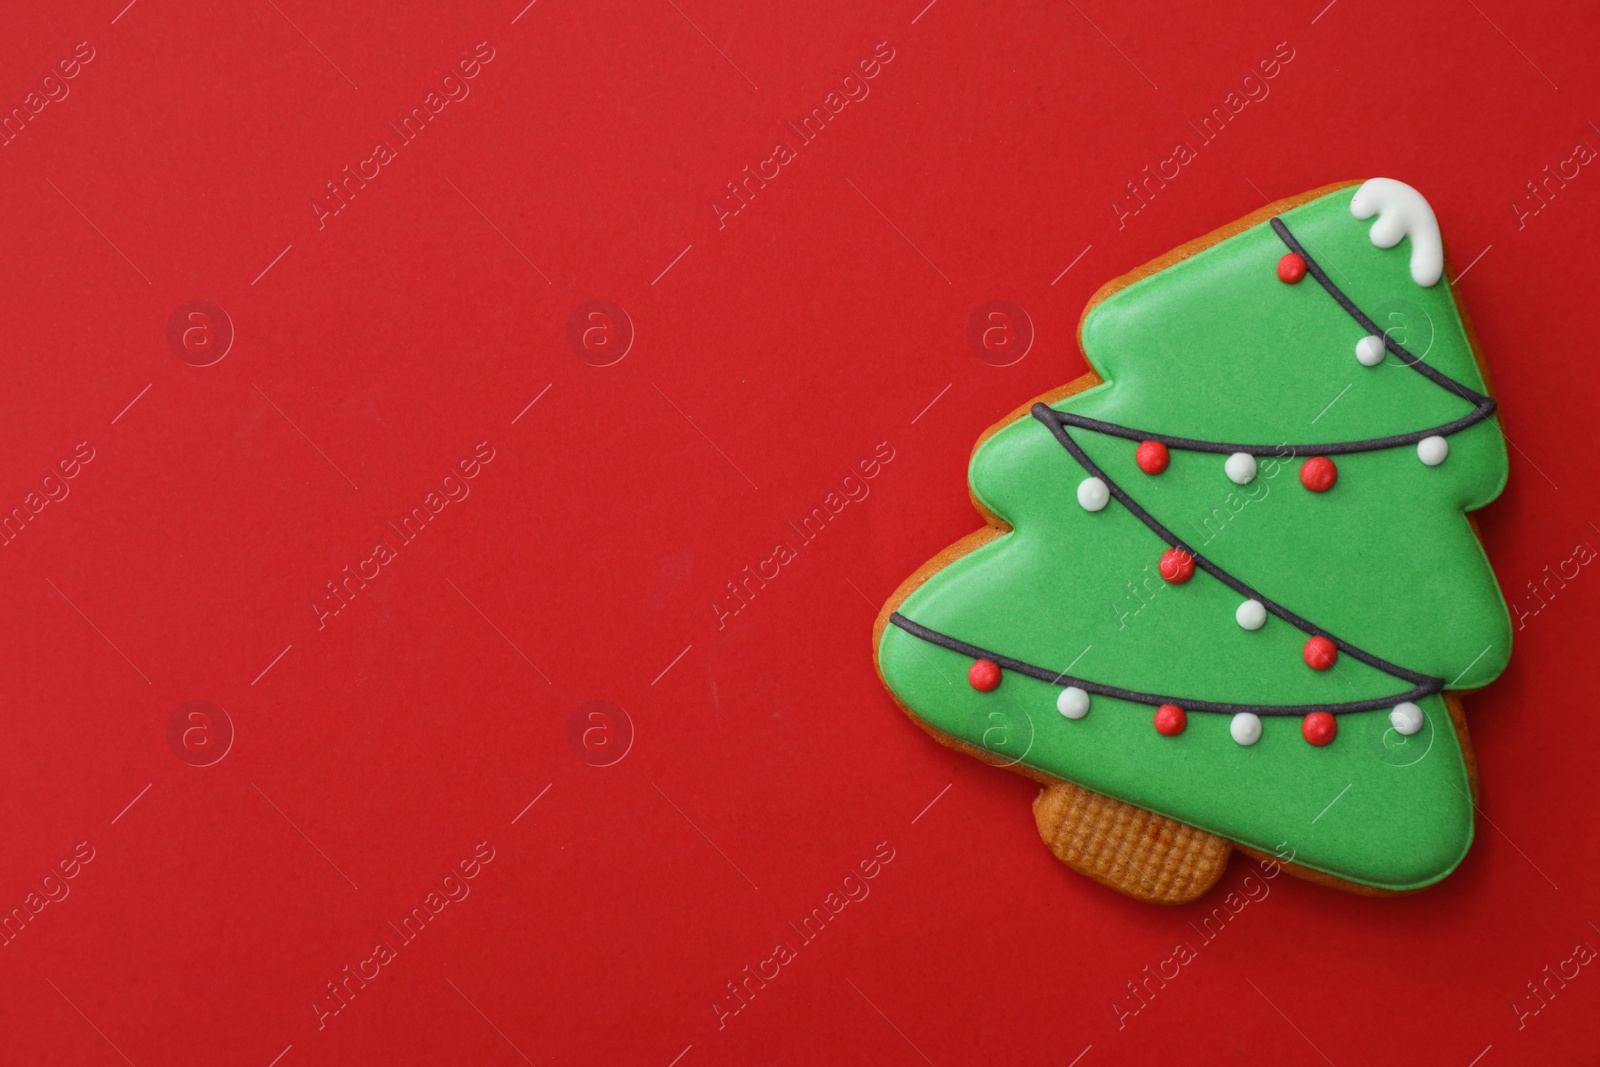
<point x="1252" y="615"/>
<point x="1406" y="718"/>
<point x="1093" y="494"/>
<point x="1433" y="450"/>
<point x="1369" y="350"/>
<point x="1245" y="728"/>
<point x="1241" y="468"/>
<point x="1073" y="702"/>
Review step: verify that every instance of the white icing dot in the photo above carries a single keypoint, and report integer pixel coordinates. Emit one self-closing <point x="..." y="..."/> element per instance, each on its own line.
<point x="1406" y="718"/>
<point x="1073" y="702"/>
<point x="1433" y="450"/>
<point x="1241" y="468"/>
<point x="1369" y="350"/>
<point x="1093" y="494"/>
<point x="1245" y="728"/>
<point x="1252" y="615"/>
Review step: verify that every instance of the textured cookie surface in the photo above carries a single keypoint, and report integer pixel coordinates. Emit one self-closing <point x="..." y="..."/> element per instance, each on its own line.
<point x="1143" y="854"/>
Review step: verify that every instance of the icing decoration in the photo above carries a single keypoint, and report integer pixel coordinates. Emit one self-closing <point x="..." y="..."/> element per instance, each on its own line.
<point x="1240" y="468"/>
<point x="1201" y="356"/>
<point x="1073" y="702"/>
<point x="1093" y="494"/>
<point x="1320" y="653"/>
<point x="1402" y="212"/>
<point x="1370" y="350"/>
<point x="1245" y="728"/>
<point x="1152" y="457"/>
<point x="1291" y="268"/>
<point x="1483" y="406"/>
<point x="1433" y="450"/>
<point x="1170" y="720"/>
<point x="1057" y="422"/>
<point x="1318" y="474"/>
<point x="1319" y="728"/>
<point x="984" y="675"/>
<point x="1406" y="719"/>
<point x="1177" y="566"/>
<point x="1425" y="686"/>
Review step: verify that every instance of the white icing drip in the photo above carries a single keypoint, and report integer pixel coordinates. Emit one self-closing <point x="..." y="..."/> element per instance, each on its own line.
<point x="1402" y="212"/>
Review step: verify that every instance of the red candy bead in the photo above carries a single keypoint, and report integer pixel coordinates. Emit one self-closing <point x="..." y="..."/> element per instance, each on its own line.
<point x="1177" y="566"/>
<point x="1321" y="653"/>
<point x="1152" y="457"/>
<point x="1291" y="268"/>
<point x="1319" y="728"/>
<point x="984" y="674"/>
<point x="1318" y="474"/>
<point x="1170" y="720"/>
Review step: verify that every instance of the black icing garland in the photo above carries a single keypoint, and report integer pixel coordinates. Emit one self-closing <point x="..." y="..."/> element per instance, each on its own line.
<point x="1422" y="685"/>
<point x="1427" y="688"/>
<point x="1482" y="406"/>
<point x="1433" y="374"/>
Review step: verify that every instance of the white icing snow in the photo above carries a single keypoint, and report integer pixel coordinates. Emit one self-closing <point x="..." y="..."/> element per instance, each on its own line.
<point x="1402" y="212"/>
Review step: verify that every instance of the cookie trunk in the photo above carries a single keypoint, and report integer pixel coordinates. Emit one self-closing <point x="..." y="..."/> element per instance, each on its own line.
<point x="1147" y="856"/>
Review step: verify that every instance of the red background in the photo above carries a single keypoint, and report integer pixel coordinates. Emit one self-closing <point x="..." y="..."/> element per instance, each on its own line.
<point x="375" y="752"/>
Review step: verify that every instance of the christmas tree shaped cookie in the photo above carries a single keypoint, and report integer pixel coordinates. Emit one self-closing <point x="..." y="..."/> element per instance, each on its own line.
<point x="1228" y="589"/>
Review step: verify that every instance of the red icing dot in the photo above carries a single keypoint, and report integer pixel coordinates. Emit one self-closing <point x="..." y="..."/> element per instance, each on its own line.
<point x="1319" y="728"/>
<point x="1291" y="268"/>
<point x="1318" y="474"/>
<point x="1321" y="653"/>
<point x="1152" y="457"/>
<point x="1177" y="566"/>
<point x="984" y="674"/>
<point x="1170" y="720"/>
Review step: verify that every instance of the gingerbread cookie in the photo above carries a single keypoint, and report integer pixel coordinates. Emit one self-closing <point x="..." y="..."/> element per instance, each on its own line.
<point x="1228" y="589"/>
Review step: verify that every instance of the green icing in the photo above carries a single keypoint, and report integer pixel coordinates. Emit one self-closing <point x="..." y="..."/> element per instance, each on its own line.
<point x="1215" y="347"/>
